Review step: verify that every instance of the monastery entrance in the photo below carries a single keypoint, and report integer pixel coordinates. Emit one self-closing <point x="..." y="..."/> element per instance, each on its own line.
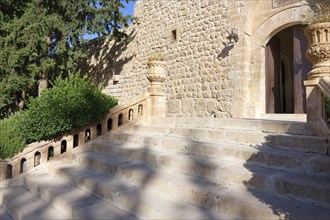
<point x="286" y="70"/>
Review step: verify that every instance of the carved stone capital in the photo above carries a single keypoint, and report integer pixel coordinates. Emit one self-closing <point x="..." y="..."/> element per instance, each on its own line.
<point x="318" y="52"/>
<point x="156" y="73"/>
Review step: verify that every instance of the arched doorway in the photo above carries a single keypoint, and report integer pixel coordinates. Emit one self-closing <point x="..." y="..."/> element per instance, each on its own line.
<point x="286" y="70"/>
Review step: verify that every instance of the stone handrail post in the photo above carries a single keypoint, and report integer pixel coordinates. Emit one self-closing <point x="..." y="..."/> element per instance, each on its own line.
<point x="318" y="54"/>
<point x="156" y="76"/>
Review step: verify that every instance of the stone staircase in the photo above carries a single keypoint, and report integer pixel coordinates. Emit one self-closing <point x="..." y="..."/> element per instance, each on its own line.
<point x="179" y="168"/>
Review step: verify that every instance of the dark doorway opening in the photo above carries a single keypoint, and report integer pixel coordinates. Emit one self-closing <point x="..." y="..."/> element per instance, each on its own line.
<point x="286" y="71"/>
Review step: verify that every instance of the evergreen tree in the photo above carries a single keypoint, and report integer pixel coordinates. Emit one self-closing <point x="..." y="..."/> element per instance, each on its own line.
<point x="40" y="39"/>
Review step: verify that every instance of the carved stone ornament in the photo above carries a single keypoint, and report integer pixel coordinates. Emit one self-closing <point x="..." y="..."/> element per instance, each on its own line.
<point x="318" y="52"/>
<point x="156" y="73"/>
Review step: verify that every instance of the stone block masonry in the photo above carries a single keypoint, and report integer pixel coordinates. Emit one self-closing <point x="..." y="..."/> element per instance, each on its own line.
<point x="190" y="35"/>
<point x="198" y="83"/>
<point x="204" y="75"/>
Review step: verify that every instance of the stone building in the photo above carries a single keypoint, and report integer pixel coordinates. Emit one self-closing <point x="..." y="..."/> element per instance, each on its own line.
<point x="206" y="75"/>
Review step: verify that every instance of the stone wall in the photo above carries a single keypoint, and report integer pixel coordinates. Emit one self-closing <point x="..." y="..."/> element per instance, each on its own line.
<point x="205" y="77"/>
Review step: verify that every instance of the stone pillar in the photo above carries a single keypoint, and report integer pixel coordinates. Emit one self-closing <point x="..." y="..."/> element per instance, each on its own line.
<point x="318" y="54"/>
<point x="3" y="169"/>
<point x="156" y="76"/>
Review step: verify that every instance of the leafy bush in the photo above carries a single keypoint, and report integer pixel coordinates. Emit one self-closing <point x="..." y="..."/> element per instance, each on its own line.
<point x="327" y="109"/>
<point x="11" y="141"/>
<point x="72" y="103"/>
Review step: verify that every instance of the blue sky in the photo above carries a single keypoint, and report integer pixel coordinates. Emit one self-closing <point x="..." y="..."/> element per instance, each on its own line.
<point x="128" y="10"/>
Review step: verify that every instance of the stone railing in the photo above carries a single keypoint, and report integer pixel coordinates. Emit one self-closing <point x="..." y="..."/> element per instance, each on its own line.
<point x="151" y="104"/>
<point x="318" y="82"/>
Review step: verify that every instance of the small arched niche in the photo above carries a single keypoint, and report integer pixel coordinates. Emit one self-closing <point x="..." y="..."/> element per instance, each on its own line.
<point x="140" y="109"/>
<point x="120" y="120"/>
<point x="23" y="165"/>
<point x="98" y="129"/>
<point x="37" y="157"/>
<point x="9" y="171"/>
<point x="87" y="135"/>
<point x="50" y="153"/>
<point x="75" y="140"/>
<point x="63" y="146"/>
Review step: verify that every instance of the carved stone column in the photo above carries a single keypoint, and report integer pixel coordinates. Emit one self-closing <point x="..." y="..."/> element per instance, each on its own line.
<point x="318" y="54"/>
<point x="156" y="76"/>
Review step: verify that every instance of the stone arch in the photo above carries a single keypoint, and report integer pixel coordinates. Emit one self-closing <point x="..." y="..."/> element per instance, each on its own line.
<point x="9" y="171"/>
<point x="277" y="22"/>
<point x="87" y="135"/>
<point x="63" y="146"/>
<point x="23" y="165"/>
<point x="37" y="157"/>
<point x="140" y="109"/>
<point x="50" y="153"/>
<point x="109" y="124"/>
<point x="130" y="114"/>
<point x="98" y="129"/>
<point x="258" y="38"/>
<point x="120" y="119"/>
<point x="75" y="140"/>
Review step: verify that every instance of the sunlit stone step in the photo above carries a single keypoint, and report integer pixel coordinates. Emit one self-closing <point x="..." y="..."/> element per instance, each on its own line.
<point x="264" y="125"/>
<point x="294" y="142"/>
<point x="137" y="145"/>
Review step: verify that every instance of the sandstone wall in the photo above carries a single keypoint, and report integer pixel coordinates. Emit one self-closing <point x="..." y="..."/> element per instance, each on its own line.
<point x="205" y="76"/>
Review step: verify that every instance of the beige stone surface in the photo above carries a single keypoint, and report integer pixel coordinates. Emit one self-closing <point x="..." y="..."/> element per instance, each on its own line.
<point x="202" y="70"/>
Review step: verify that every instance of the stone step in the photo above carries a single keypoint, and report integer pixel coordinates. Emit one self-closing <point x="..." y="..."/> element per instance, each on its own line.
<point x="71" y="201"/>
<point x="4" y="214"/>
<point x="23" y="204"/>
<point x="285" y="117"/>
<point x="233" y="201"/>
<point x="265" y="156"/>
<point x="219" y="171"/>
<point x="123" y="196"/>
<point x="267" y="126"/>
<point x="293" y="142"/>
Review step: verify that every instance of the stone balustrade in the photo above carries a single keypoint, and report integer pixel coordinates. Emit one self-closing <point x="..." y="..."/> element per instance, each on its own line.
<point x="151" y="104"/>
<point x="38" y="153"/>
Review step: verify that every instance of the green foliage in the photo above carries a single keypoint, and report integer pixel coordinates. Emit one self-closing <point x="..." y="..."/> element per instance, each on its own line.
<point x="11" y="141"/>
<point x="319" y="12"/>
<point x="42" y="39"/>
<point x="327" y="109"/>
<point x="71" y="104"/>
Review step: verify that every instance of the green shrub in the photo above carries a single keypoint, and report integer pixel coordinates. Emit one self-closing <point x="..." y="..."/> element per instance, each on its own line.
<point x="71" y="104"/>
<point x="327" y="109"/>
<point x="11" y="141"/>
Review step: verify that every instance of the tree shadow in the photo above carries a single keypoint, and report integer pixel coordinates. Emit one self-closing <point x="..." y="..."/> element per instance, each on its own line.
<point x="124" y="173"/>
<point x="106" y="57"/>
<point x="291" y="175"/>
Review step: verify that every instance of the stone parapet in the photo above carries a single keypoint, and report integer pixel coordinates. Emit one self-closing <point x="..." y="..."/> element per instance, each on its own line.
<point x="139" y="108"/>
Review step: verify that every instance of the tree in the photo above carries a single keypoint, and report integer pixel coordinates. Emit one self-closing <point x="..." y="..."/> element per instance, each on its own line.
<point x="41" y="39"/>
